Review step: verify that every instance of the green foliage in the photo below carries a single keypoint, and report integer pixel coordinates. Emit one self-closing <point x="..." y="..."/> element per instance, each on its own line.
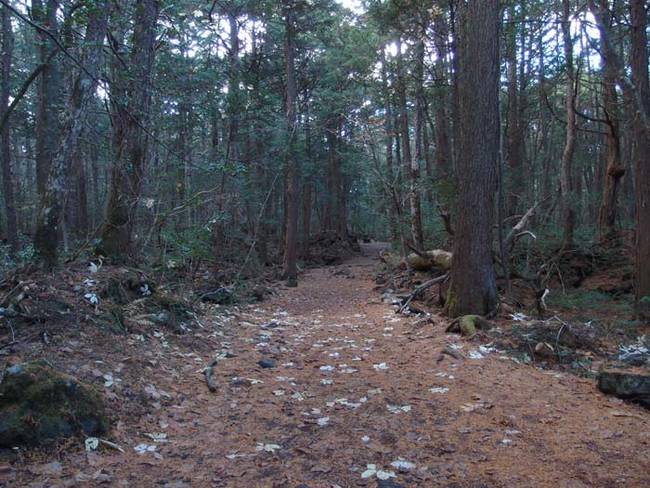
<point x="585" y="300"/>
<point x="191" y="244"/>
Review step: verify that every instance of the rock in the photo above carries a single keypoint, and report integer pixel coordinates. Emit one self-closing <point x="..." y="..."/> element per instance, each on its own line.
<point x="626" y="384"/>
<point x="544" y="350"/>
<point x="38" y="404"/>
<point x="436" y="258"/>
<point x="266" y="363"/>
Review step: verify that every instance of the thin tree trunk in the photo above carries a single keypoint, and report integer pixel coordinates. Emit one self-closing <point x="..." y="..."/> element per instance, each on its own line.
<point x="443" y="157"/>
<point x="419" y="160"/>
<point x="410" y="165"/>
<point x="290" y="264"/>
<point x="307" y="191"/>
<point x="514" y="153"/>
<point x="566" y="170"/>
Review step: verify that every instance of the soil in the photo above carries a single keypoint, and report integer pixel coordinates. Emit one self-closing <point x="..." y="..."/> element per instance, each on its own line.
<point x="353" y="384"/>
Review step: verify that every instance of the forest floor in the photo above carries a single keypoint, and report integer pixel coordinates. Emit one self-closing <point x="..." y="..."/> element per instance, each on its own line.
<point x="357" y="395"/>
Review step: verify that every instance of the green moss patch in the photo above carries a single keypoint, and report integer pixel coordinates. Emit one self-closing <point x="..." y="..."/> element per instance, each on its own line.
<point x="39" y="404"/>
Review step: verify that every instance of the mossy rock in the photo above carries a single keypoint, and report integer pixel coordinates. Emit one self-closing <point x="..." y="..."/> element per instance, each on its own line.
<point x="39" y="404"/>
<point x="630" y="385"/>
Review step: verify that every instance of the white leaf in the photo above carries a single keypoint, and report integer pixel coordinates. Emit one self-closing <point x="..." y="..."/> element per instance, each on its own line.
<point x="384" y="475"/>
<point x="92" y="443"/>
<point x="267" y="447"/>
<point x="439" y="389"/>
<point x="143" y="448"/>
<point x="370" y="471"/>
<point x="402" y="465"/>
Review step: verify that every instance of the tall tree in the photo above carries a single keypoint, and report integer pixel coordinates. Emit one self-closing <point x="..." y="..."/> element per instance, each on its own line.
<point x="411" y="165"/>
<point x="514" y="140"/>
<point x="290" y="265"/>
<point x="473" y="283"/>
<point x="614" y="169"/>
<point x="641" y="83"/>
<point x="46" y="236"/>
<point x="49" y="91"/>
<point x="131" y="112"/>
<point x="566" y="164"/>
<point x="5" y="135"/>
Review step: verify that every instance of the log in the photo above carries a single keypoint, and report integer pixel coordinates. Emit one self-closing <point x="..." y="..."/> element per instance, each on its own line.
<point x="436" y="258"/>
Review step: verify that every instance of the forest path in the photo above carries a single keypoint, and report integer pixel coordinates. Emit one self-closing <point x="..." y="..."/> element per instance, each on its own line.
<point x="355" y="384"/>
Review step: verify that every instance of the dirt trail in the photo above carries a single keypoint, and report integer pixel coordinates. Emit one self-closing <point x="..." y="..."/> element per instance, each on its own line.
<point x="354" y="385"/>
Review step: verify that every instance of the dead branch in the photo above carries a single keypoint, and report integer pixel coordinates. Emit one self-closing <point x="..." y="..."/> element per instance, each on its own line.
<point x="446" y="220"/>
<point x="417" y="251"/>
<point x="209" y="371"/>
<point x="424" y="286"/>
<point x="518" y="229"/>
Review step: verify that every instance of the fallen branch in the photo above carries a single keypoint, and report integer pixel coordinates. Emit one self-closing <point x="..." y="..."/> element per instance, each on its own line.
<point x="421" y="288"/>
<point x="209" y="371"/>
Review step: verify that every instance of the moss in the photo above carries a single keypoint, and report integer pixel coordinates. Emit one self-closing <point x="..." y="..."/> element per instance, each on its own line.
<point x="38" y="403"/>
<point x="467" y="325"/>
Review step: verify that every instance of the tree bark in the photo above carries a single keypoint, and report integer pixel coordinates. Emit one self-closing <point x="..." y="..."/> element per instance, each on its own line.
<point x="639" y="68"/>
<point x="566" y="170"/>
<point x="50" y="213"/>
<point x="290" y="264"/>
<point x="49" y="93"/>
<point x="411" y="165"/>
<point x="443" y="158"/>
<point x="5" y="133"/>
<point x="614" y="169"/>
<point x="473" y="282"/>
<point x="514" y="150"/>
<point x="131" y="112"/>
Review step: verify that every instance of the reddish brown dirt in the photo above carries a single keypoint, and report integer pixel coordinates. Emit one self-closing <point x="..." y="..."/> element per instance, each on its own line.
<point x="499" y="423"/>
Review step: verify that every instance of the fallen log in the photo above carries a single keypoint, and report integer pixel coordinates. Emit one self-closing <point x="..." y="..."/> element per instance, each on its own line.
<point x="436" y="258"/>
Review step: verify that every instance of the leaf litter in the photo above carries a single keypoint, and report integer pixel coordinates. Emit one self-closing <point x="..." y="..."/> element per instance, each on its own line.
<point x="408" y="424"/>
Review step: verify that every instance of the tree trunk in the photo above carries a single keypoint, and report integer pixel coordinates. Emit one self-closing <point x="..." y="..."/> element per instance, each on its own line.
<point x="307" y="191"/>
<point x="473" y="283"/>
<point x="614" y="169"/>
<point x="290" y="264"/>
<point x="566" y="172"/>
<point x="5" y="134"/>
<point x="639" y="68"/>
<point x="420" y="158"/>
<point x="49" y="93"/>
<point x="411" y="166"/>
<point x="443" y="147"/>
<point x="514" y="150"/>
<point x="46" y="236"/>
<point x="131" y="111"/>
